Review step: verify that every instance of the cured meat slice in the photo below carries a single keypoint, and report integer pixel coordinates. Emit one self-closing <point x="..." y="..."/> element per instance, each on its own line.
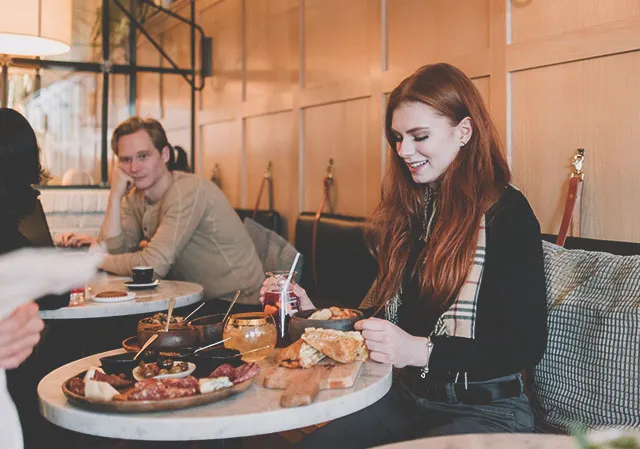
<point x="224" y="370"/>
<point x="157" y="389"/>
<point x="236" y="375"/>
<point x="114" y="381"/>
<point x="246" y="372"/>
<point x="76" y="386"/>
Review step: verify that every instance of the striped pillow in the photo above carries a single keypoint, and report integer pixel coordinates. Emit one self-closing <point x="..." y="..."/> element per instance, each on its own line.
<point x="590" y="372"/>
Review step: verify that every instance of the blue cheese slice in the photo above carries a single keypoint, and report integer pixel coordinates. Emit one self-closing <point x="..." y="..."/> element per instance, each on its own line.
<point x="208" y="385"/>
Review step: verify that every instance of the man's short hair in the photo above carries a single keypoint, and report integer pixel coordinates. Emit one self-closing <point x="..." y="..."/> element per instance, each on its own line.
<point x="133" y="125"/>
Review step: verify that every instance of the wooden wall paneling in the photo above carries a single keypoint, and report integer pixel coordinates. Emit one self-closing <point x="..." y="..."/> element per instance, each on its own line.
<point x="222" y="95"/>
<point x="426" y="31"/>
<point x="272" y="138"/>
<point x="375" y="144"/>
<point x="337" y="131"/>
<point x="601" y="40"/>
<point x="590" y="104"/>
<point x="484" y="86"/>
<point x="534" y="19"/>
<point x="499" y="78"/>
<point x="149" y="93"/>
<point x="221" y="144"/>
<point x="271" y="51"/>
<point x="335" y="42"/>
<point x="176" y="92"/>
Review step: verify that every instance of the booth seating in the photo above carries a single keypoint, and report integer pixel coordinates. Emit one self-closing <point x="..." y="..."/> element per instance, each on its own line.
<point x="270" y="219"/>
<point x="590" y="372"/>
<point x="345" y="267"/>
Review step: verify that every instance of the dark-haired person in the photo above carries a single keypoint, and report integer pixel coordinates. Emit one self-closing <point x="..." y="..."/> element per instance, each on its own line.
<point x="192" y="232"/>
<point x="460" y="274"/>
<point x="19" y="170"/>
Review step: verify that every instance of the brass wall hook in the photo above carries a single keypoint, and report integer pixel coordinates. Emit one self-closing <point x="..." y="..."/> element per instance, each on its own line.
<point x="578" y="159"/>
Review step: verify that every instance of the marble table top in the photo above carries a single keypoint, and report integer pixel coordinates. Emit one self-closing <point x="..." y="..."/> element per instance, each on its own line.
<point x="256" y="411"/>
<point x="145" y="301"/>
<point x="490" y="441"/>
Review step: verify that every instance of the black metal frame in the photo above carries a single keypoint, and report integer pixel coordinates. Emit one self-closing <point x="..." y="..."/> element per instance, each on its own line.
<point x="106" y="68"/>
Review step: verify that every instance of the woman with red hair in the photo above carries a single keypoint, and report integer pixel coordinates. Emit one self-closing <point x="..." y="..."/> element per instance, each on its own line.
<point x="460" y="274"/>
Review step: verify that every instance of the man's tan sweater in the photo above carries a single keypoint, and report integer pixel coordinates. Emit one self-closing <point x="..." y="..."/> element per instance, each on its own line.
<point x="194" y="235"/>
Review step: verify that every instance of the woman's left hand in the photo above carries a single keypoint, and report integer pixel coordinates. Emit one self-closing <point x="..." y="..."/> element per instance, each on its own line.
<point x="388" y="343"/>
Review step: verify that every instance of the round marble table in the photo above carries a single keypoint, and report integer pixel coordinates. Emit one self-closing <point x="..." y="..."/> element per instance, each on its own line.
<point x="257" y="411"/>
<point x="146" y="301"/>
<point x="490" y="441"/>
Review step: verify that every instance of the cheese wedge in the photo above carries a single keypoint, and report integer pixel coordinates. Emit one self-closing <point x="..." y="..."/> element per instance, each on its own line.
<point x="99" y="391"/>
<point x="208" y="385"/>
<point x="91" y="373"/>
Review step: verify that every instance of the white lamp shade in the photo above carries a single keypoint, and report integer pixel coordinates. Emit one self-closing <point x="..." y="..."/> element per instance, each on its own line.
<point x="35" y="27"/>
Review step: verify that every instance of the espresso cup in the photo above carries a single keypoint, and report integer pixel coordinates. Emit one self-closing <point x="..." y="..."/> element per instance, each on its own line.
<point x="142" y="275"/>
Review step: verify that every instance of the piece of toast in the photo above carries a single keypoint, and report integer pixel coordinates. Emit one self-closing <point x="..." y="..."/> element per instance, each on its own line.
<point x="299" y="355"/>
<point x="343" y="347"/>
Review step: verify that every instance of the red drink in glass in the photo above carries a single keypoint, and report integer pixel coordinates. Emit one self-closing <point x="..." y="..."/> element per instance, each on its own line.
<point x="281" y="306"/>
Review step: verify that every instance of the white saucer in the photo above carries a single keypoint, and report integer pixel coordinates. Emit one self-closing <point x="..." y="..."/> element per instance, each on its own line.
<point x="129" y="297"/>
<point x="133" y="286"/>
<point x="191" y="369"/>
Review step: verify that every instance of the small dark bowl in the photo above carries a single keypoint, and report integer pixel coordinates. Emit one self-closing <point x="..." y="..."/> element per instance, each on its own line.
<point x="208" y="360"/>
<point x="124" y="363"/>
<point x="209" y="328"/>
<point x="299" y="323"/>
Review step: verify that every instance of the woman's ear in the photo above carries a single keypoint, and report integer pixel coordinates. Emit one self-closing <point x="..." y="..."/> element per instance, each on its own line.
<point x="166" y="155"/>
<point x="465" y="130"/>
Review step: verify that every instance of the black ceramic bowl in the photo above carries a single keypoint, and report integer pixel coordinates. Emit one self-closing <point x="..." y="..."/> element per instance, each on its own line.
<point x="207" y="361"/>
<point x="299" y="322"/>
<point x="124" y="363"/>
<point x="209" y="328"/>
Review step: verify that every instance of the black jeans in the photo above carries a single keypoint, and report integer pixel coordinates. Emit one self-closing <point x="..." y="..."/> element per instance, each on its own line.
<point x="401" y="415"/>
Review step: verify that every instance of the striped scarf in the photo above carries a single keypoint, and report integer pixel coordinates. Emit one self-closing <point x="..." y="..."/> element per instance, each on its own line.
<point x="459" y="320"/>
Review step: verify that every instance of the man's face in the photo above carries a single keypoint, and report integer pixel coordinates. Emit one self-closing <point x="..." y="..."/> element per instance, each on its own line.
<point x="139" y="159"/>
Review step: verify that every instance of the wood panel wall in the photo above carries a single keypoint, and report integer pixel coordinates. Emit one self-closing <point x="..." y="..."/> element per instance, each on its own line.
<point x="297" y="82"/>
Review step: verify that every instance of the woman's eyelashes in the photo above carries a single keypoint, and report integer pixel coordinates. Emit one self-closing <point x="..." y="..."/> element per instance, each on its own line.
<point x="421" y="138"/>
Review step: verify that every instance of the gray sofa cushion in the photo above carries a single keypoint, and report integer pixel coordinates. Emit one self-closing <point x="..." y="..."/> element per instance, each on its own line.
<point x="275" y="252"/>
<point x="590" y="372"/>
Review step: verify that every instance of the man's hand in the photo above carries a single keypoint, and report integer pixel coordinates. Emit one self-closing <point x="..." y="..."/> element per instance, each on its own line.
<point x="388" y="343"/>
<point x="121" y="183"/>
<point x="73" y="240"/>
<point x="19" y="333"/>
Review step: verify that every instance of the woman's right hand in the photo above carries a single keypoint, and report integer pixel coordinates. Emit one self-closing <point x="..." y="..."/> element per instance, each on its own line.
<point x="301" y="293"/>
<point x="19" y="333"/>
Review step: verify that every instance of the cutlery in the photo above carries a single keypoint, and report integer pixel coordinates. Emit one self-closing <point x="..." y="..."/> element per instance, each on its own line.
<point x="194" y="311"/>
<point x="208" y="346"/>
<point x="146" y="345"/>
<point x="253" y="350"/>
<point x="172" y="303"/>
<point x="235" y="298"/>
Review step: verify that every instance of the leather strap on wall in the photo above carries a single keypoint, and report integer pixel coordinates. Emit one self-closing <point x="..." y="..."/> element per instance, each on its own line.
<point x="266" y="180"/>
<point x="327" y="183"/>
<point x="572" y="206"/>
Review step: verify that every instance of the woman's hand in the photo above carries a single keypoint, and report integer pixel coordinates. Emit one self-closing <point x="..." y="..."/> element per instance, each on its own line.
<point x="305" y="302"/>
<point x="19" y="333"/>
<point x="388" y="343"/>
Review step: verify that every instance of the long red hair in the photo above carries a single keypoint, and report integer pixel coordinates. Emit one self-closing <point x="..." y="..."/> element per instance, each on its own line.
<point x="473" y="182"/>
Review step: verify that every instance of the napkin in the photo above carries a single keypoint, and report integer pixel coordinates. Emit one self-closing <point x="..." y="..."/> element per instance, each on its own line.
<point x="26" y="275"/>
<point x="29" y="273"/>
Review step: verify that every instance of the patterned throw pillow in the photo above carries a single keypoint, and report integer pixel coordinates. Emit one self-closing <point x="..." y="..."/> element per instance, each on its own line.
<point x="590" y="372"/>
<point x="274" y="252"/>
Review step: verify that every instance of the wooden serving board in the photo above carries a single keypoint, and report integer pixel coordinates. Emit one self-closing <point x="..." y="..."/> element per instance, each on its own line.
<point x="301" y="386"/>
